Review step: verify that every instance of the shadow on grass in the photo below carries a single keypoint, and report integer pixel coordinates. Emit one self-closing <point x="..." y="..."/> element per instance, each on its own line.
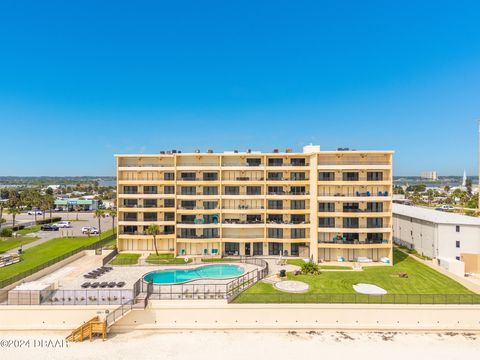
<point x="398" y="256"/>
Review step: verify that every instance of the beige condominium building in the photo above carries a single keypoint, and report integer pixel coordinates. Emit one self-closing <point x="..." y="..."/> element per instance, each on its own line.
<point x="323" y="205"/>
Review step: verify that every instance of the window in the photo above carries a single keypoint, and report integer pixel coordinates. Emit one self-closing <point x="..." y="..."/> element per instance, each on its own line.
<point x="188" y="219"/>
<point x="188" y="205"/>
<point x="169" y="189"/>
<point x="188" y="233"/>
<point x="150" y="190"/>
<point x="169" y="216"/>
<point x="275" y="218"/>
<point x="326" y="176"/>
<point x="188" y="190"/>
<point x="374" y="238"/>
<point x="275" y="248"/>
<point x="254" y="190"/>
<point x="274" y="176"/>
<point x="168" y="203"/>
<point x="210" y="204"/>
<point x="350" y="223"/>
<point x="298" y="234"/>
<point x="232" y="190"/>
<point x="188" y="176"/>
<point x="328" y="222"/>
<point x="130" y="216"/>
<point x="297" y="204"/>
<point x="232" y="248"/>
<point x="210" y="233"/>
<point x="350" y="207"/>
<point x="374" y="207"/>
<point x="457" y="244"/>
<point x="297" y="176"/>
<point x="149" y="216"/>
<point x="257" y="248"/>
<point x="326" y="207"/>
<point x="457" y="257"/>
<point x="210" y="176"/>
<point x="254" y="219"/>
<point x="272" y="190"/>
<point x="150" y="203"/>
<point x="130" y="202"/>
<point x="275" y="162"/>
<point x="254" y="162"/>
<point x="275" y="204"/>
<point x="169" y="229"/>
<point x="275" y="233"/>
<point x="129" y="229"/>
<point x="297" y="219"/>
<point x="169" y="176"/>
<point x="457" y="228"/>
<point x="374" y="176"/>
<point x="130" y="189"/>
<point x="374" y="222"/>
<point x="210" y="190"/>
<point x="350" y="176"/>
<point x="297" y="190"/>
<point x="297" y="162"/>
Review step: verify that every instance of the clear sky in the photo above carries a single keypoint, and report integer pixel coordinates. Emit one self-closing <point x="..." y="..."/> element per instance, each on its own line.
<point x="81" y="81"/>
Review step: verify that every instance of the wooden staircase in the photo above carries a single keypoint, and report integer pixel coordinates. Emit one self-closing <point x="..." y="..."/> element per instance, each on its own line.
<point x="94" y="326"/>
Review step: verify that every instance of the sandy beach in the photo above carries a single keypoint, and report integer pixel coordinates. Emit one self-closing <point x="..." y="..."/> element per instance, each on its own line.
<point x="244" y="345"/>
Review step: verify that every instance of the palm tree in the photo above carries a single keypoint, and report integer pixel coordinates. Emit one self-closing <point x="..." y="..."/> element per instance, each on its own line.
<point x="77" y="209"/>
<point x="113" y="214"/>
<point x="14" y="211"/>
<point x="99" y="214"/>
<point x="46" y="203"/>
<point x="2" y="205"/>
<point x="154" y="229"/>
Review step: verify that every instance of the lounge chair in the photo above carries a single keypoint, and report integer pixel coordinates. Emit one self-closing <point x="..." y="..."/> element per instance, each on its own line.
<point x="103" y="284"/>
<point x="111" y="284"/>
<point x="95" y="284"/>
<point x="86" y="285"/>
<point x="121" y="284"/>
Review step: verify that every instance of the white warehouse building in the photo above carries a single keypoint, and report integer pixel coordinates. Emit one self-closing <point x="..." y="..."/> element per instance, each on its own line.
<point x="452" y="239"/>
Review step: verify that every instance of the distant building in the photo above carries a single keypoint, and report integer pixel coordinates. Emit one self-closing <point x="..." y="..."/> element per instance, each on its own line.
<point x="447" y="237"/>
<point x="430" y="175"/>
<point x="69" y="204"/>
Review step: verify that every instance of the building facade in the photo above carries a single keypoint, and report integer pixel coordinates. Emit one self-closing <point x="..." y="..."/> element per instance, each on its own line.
<point x="430" y="175"/>
<point x="324" y="205"/>
<point x="436" y="234"/>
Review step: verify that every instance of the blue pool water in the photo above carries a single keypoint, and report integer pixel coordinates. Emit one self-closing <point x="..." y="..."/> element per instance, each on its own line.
<point x="176" y="276"/>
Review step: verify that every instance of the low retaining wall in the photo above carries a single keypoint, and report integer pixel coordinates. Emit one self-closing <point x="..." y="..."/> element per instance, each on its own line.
<point x="217" y="315"/>
<point x="214" y="315"/>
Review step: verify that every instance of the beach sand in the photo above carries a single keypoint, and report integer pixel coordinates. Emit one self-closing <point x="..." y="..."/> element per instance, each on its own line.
<point x="238" y="345"/>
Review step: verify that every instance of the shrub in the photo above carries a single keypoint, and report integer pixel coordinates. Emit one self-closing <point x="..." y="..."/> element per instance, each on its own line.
<point x="48" y="221"/>
<point x="6" y="232"/>
<point x="310" y="268"/>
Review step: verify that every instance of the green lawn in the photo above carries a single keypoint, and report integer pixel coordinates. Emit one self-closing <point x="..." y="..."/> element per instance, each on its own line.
<point x="13" y="242"/>
<point x="421" y="280"/>
<point x="299" y="262"/>
<point x="47" y="251"/>
<point x="125" y="259"/>
<point x="166" y="259"/>
<point x="29" y="230"/>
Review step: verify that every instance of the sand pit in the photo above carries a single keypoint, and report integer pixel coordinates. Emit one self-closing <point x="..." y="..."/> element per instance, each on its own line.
<point x="369" y="289"/>
<point x="292" y="286"/>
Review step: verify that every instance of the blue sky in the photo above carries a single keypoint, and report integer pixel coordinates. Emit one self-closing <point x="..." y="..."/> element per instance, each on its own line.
<point x="81" y="81"/>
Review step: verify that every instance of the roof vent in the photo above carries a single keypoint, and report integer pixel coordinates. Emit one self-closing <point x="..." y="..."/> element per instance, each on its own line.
<point x="197" y="151"/>
<point x="174" y="151"/>
<point x="249" y="151"/>
<point x="162" y="152"/>
<point x="288" y="150"/>
<point x="210" y="151"/>
<point x="275" y="151"/>
<point x="235" y="151"/>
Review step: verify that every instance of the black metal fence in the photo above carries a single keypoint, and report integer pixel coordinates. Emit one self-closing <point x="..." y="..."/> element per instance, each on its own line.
<point x="417" y="299"/>
<point x="110" y="256"/>
<point x="66" y="297"/>
<point x="24" y="274"/>
<point x="209" y="290"/>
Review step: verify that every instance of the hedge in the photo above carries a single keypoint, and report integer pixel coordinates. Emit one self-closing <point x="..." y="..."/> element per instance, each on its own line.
<point x="48" y="221"/>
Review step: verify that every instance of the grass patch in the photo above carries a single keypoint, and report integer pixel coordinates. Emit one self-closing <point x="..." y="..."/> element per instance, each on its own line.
<point x="47" y="251"/>
<point x="29" y="230"/>
<point x="125" y="259"/>
<point x="166" y="259"/>
<point x="214" y="260"/>
<point x="300" y="262"/>
<point x="421" y="280"/>
<point x="414" y="252"/>
<point x="14" y="242"/>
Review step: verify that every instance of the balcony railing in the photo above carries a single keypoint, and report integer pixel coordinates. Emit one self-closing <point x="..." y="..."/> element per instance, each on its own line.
<point x="180" y="236"/>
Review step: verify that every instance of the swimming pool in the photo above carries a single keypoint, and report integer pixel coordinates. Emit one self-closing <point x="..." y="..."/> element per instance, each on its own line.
<point x="176" y="276"/>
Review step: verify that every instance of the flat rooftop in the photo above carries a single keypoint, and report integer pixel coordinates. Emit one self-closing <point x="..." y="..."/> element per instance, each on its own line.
<point x="434" y="216"/>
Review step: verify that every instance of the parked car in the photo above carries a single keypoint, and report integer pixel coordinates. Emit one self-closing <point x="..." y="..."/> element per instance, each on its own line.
<point x="89" y="230"/>
<point x="48" y="227"/>
<point x="445" y="208"/>
<point x="64" y="224"/>
<point x="35" y="212"/>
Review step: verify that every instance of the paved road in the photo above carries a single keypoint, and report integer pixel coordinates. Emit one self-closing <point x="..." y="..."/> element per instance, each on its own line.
<point x="85" y="219"/>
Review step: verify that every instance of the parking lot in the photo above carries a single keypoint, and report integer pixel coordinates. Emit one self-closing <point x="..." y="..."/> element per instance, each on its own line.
<point x="84" y="219"/>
